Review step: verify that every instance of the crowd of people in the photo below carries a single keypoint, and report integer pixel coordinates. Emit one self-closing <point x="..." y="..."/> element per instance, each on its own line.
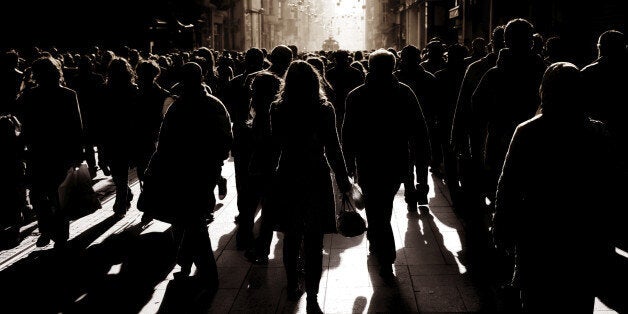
<point x="532" y="148"/>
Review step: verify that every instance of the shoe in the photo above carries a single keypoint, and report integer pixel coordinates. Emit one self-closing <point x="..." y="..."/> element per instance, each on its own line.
<point x="312" y="306"/>
<point x="421" y="195"/>
<point x="43" y="240"/>
<point x="183" y="273"/>
<point x="236" y="220"/>
<point x="222" y="188"/>
<point x="105" y="170"/>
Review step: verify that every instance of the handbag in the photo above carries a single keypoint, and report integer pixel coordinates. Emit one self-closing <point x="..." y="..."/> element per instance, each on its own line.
<point x="77" y="197"/>
<point x="348" y="221"/>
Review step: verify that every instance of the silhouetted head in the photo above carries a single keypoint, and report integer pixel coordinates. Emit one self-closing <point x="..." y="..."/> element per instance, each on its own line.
<point x="134" y="57"/>
<point x="434" y="50"/>
<point x="560" y="91"/>
<point x="302" y="86"/>
<point x="455" y="55"/>
<point x="318" y="64"/>
<point x="358" y="66"/>
<point x="410" y="55"/>
<point x="393" y="51"/>
<point x="147" y="72"/>
<point x="479" y="46"/>
<point x="497" y="40"/>
<point x="10" y="60"/>
<point x="358" y="56"/>
<point x="120" y="73"/>
<point x="295" y="51"/>
<point x="47" y="72"/>
<point x="611" y="44"/>
<point x="254" y="60"/>
<point x="554" y="48"/>
<point x="342" y="58"/>
<point x="280" y="57"/>
<point x="210" y="62"/>
<point x="191" y="78"/>
<point x="85" y="65"/>
<point x="381" y="63"/>
<point x="518" y="36"/>
<point x="537" y="44"/>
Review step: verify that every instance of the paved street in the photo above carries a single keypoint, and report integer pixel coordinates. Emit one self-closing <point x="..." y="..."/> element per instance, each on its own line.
<point x="116" y="266"/>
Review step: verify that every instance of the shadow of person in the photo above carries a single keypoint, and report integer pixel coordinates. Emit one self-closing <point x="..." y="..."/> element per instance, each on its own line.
<point x="187" y="296"/>
<point x="53" y="279"/>
<point x="126" y="267"/>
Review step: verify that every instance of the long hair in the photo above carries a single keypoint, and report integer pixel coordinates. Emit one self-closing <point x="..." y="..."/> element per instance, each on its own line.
<point x="120" y="73"/>
<point x="302" y="87"/>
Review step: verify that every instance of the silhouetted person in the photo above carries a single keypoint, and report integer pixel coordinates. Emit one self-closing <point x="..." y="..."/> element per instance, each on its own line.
<point x="10" y="82"/>
<point x="52" y="131"/>
<point x="506" y="96"/>
<point x="89" y="87"/>
<point x="151" y="100"/>
<point x="383" y="118"/>
<point x="196" y="133"/>
<point x="434" y="58"/>
<point x="423" y="84"/>
<point x="304" y="128"/>
<point x="554" y="51"/>
<point x="238" y="103"/>
<point x="478" y="51"/>
<point x="120" y="103"/>
<point x="343" y="78"/>
<point x="538" y="44"/>
<point x="264" y="88"/>
<point x="542" y="220"/>
<point x="448" y="82"/>
<point x="463" y="126"/>
<point x="605" y="84"/>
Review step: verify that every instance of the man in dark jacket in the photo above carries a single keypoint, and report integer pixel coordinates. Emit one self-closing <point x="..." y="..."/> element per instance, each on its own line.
<point x="422" y="84"/>
<point x="343" y="78"/>
<point x="605" y="85"/>
<point x="52" y="131"/>
<point x="506" y="96"/>
<point x="383" y="118"/>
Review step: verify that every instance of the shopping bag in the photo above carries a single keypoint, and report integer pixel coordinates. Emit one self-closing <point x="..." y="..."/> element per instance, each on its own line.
<point x="348" y="222"/>
<point x="77" y="197"/>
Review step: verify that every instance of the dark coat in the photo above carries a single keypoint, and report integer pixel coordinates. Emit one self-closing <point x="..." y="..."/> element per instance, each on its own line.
<point x="53" y="133"/>
<point x="552" y="205"/>
<point x="150" y="105"/>
<point x="507" y="95"/>
<point x="462" y="120"/>
<point x="301" y="193"/>
<point x="195" y="137"/>
<point x="382" y="119"/>
<point x="605" y="87"/>
<point x="343" y="80"/>
<point x="89" y="88"/>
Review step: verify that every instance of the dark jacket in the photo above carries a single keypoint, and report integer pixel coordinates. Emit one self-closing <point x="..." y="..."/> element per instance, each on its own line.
<point x="52" y="131"/>
<point x="301" y="192"/>
<point x="551" y="206"/>
<point x="462" y="120"/>
<point x="382" y="119"/>
<point x="343" y="80"/>
<point x="195" y="136"/>
<point x="150" y="103"/>
<point x="507" y="95"/>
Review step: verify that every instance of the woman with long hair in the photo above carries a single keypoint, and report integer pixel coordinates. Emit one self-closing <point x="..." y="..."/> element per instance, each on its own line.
<point x="120" y="103"/>
<point x="304" y="131"/>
